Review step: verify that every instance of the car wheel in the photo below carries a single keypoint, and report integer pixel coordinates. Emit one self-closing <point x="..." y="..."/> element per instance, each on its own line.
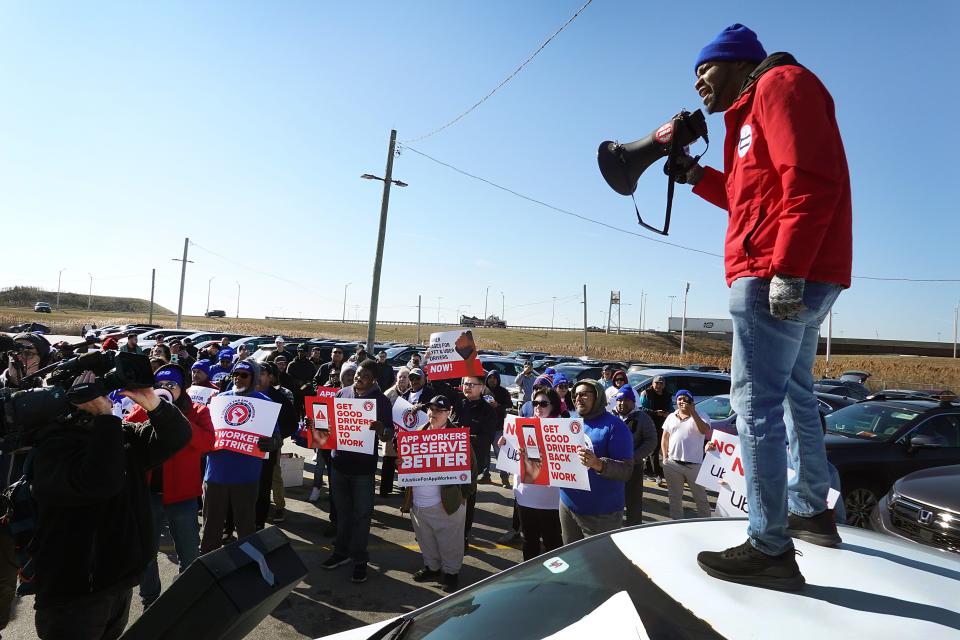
<point x="859" y="501"/>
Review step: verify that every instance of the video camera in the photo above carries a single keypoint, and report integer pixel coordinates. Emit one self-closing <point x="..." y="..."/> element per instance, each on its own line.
<point x="21" y="411"/>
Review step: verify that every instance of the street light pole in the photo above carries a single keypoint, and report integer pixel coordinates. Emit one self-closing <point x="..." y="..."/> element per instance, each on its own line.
<point x="439" y="298"/>
<point x="345" y="302"/>
<point x="503" y="307"/>
<point x="183" y="277"/>
<point x="829" y="333"/>
<point x="553" y="314"/>
<point x="956" y="321"/>
<point x="238" y="299"/>
<point x="671" y="312"/>
<point x="486" y="300"/>
<point x="59" y="275"/>
<point x="90" y="293"/>
<point x="683" y="325"/>
<point x="209" y="282"/>
<point x="378" y="261"/>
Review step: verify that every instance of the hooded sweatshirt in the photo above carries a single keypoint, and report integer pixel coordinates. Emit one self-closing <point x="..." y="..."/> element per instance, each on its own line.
<point x="501" y="395"/>
<point x="612" y="442"/>
<point x="230" y="467"/>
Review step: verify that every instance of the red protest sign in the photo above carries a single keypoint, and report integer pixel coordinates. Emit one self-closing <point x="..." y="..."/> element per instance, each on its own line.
<point x="323" y="435"/>
<point x="452" y="354"/>
<point x="433" y="457"/>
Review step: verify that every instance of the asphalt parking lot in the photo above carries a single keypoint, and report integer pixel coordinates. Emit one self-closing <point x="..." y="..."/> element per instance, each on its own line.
<point x="326" y="601"/>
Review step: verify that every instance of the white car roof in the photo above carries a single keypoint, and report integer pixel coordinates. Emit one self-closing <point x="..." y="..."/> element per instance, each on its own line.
<point x="683" y="372"/>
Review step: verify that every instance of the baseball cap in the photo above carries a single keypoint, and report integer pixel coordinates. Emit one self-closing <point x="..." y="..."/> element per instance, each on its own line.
<point x="626" y="393"/>
<point x="658" y="379"/>
<point x="440" y="402"/>
<point x="416" y="372"/>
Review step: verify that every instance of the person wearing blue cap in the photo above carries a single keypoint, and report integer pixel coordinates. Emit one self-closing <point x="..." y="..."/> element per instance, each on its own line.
<point x="682" y="444"/>
<point x="644" y="443"/>
<point x="220" y="372"/>
<point x="561" y="384"/>
<point x="785" y="186"/>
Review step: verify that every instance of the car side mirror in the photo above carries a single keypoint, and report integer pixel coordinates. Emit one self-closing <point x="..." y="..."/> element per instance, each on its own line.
<point x="921" y="441"/>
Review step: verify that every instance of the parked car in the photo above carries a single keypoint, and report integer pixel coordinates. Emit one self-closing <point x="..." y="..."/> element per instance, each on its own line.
<point x="855" y="375"/>
<point x="149" y="338"/>
<point x="42" y="307"/>
<point x="508" y="368"/>
<point x="702" y="367"/>
<point x="255" y="342"/>
<point x="849" y="388"/>
<point x="400" y="355"/>
<point x="634" y="368"/>
<point x="874" y="443"/>
<point x="720" y="416"/>
<point x="520" y="354"/>
<point x="203" y="336"/>
<point x="643" y="582"/>
<point x="923" y="506"/>
<point x="575" y="372"/>
<point x="216" y="313"/>
<point x="702" y="384"/>
<point x="29" y="327"/>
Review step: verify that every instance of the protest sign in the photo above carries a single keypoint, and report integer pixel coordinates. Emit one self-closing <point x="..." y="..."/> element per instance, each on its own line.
<point x="452" y="354"/>
<point x="201" y="395"/>
<point x="433" y="457"/>
<point x="722" y="471"/>
<point x="406" y="417"/>
<point x="324" y="432"/>
<point x="351" y="421"/>
<point x="549" y="453"/>
<point x="719" y="464"/>
<point x="730" y="504"/>
<point x="240" y="421"/>
<point x="508" y="460"/>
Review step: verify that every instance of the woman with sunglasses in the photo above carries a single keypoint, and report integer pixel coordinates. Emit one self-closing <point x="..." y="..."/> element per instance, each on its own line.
<point x="176" y="485"/>
<point x="539" y="505"/>
<point x="562" y="387"/>
<point x="684" y="432"/>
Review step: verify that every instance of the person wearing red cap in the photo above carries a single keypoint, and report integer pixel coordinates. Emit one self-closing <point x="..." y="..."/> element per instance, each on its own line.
<point x="786" y="188"/>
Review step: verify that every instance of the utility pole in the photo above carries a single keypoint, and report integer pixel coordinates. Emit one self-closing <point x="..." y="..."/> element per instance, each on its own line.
<point x="439" y="298"/>
<point x="829" y="332"/>
<point x="419" y="308"/>
<point x="503" y="307"/>
<point x="671" y="312"/>
<point x="956" y="321"/>
<point x="59" y="275"/>
<point x="640" y="325"/>
<point x="345" y="302"/>
<point x="238" y="299"/>
<point x="486" y="300"/>
<point x="553" y="314"/>
<point x="683" y="326"/>
<point x="618" y="318"/>
<point x="584" y="319"/>
<point x="183" y="278"/>
<point x="209" y="282"/>
<point x="90" y="292"/>
<point x="153" y="282"/>
<point x="378" y="262"/>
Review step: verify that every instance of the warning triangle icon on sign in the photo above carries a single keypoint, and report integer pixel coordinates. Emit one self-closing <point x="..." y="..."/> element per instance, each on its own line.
<point x="531" y="442"/>
<point x="319" y="413"/>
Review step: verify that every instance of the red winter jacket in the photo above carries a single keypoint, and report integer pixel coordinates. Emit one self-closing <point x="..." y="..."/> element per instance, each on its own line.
<point x="181" y="473"/>
<point x="785" y="183"/>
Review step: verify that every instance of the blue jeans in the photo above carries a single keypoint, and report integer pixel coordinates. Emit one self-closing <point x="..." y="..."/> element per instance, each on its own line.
<point x="772" y="365"/>
<point x="181" y="518"/>
<point x="354" y="498"/>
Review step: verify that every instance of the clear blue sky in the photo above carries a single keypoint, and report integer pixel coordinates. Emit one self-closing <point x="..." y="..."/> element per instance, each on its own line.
<point x="245" y="126"/>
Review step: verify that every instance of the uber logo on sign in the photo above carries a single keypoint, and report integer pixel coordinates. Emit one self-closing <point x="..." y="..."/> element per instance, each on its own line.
<point x="746" y="139"/>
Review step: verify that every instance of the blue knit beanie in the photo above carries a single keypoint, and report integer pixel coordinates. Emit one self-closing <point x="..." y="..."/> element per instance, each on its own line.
<point x="734" y="43"/>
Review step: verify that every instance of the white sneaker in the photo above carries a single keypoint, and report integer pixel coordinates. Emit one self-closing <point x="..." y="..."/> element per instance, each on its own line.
<point x="314" y="494"/>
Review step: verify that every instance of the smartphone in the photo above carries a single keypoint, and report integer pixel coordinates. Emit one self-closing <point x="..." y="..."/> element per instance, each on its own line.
<point x="488" y="398"/>
<point x="530" y="443"/>
<point x="320" y="420"/>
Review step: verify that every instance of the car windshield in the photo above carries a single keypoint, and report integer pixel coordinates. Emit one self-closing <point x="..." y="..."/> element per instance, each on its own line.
<point x="570" y="586"/>
<point x="635" y="378"/>
<point x="869" y="420"/>
<point x="715" y="408"/>
<point x="392" y="352"/>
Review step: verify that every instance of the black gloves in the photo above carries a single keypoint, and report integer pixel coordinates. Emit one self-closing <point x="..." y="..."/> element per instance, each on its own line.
<point x="268" y="443"/>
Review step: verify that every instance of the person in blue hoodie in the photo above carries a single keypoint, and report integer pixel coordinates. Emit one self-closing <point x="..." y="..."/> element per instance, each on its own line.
<point x="609" y="458"/>
<point x="232" y="480"/>
<point x="220" y="372"/>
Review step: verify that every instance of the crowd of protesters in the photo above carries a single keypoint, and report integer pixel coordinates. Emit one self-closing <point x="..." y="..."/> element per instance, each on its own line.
<point x="207" y="498"/>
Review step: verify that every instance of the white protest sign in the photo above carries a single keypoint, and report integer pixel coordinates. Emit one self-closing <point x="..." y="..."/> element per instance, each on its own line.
<point x="406" y="418"/>
<point x="452" y="354"/>
<point x="718" y="462"/>
<point x="508" y="460"/>
<point x="201" y="395"/>
<point x="352" y="417"/>
<point x="240" y="421"/>
<point x="557" y="442"/>
<point x="730" y="504"/>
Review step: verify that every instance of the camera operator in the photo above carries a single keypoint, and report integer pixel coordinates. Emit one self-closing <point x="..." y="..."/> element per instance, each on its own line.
<point x="94" y="528"/>
<point x="32" y="353"/>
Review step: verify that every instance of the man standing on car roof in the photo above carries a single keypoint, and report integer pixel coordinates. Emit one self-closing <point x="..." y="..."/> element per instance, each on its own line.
<point x="786" y="188"/>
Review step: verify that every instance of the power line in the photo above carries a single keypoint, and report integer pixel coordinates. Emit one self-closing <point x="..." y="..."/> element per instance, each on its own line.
<point x="558" y="209"/>
<point x="506" y="80"/>
<point x="634" y="233"/>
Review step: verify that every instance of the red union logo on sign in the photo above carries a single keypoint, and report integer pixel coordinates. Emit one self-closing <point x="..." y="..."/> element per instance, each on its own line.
<point x="367" y="406"/>
<point x="574" y="427"/>
<point x="238" y="413"/>
<point x="409" y="418"/>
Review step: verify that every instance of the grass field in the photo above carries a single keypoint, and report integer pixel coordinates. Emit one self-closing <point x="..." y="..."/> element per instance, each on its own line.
<point x="888" y="371"/>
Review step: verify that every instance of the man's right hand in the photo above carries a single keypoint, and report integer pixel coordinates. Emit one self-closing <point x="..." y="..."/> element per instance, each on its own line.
<point x="687" y="170"/>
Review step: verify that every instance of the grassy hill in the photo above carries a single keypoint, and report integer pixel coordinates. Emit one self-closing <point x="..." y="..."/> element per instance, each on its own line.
<point x="26" y="297"/>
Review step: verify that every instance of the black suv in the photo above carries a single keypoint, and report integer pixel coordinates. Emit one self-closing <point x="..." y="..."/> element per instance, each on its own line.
<point x="873" y="443"/>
